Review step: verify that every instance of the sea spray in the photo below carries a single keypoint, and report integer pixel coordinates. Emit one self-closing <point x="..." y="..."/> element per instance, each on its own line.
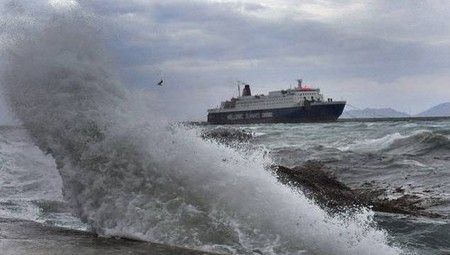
<point x="127" y="173"/>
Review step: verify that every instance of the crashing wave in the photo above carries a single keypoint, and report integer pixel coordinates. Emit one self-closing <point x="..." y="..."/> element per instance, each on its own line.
<point x="127" y="174"/>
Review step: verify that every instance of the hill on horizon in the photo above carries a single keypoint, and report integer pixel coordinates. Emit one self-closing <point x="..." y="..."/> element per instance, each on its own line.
<point x="436" y="111"/>
<point x="374" y="113"/>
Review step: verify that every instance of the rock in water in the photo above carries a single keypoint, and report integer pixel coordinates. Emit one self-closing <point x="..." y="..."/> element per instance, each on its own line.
<point x="334" y="196"/>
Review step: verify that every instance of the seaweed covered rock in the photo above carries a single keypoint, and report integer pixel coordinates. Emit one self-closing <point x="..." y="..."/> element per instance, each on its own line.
<point x="317" y="183"/>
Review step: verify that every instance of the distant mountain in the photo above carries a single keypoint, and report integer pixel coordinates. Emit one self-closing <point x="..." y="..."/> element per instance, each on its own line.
<point x="439" y="110"/>
<point x="373" y="113"/>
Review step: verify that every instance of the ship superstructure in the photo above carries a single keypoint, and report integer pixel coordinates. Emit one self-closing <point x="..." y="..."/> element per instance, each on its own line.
<point x="302" y="104"/>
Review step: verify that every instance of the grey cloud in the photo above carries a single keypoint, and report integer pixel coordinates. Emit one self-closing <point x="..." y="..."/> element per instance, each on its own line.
<point x="217" y="31"/>
<point x="252" y="7"/>
<point x="199" y="47"/>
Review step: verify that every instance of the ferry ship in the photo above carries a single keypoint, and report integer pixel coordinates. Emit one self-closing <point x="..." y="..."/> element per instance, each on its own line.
<point x="301" y="104"/>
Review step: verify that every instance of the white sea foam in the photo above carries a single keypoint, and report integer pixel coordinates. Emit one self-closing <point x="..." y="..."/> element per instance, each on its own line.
<point x="127" y="173"/>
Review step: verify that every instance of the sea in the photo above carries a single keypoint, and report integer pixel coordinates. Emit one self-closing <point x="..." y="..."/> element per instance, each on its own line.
<point x="236" y="211"/>
<point x="90" y="154"/>
<point x="399" y="157"/>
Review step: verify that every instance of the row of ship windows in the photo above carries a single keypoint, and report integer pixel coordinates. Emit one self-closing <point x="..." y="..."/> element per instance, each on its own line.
<point x="266" y="103"/>
<point x="283" y="99"/>
<point x="278" y="101"/>
<point x="286" y="98"/>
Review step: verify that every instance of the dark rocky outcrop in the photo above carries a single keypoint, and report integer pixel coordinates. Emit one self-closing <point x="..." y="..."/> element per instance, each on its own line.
<point x="334" y="196"/>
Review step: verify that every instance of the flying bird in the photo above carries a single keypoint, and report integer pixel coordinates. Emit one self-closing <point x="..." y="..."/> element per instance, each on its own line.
<point x="160" y="83"/>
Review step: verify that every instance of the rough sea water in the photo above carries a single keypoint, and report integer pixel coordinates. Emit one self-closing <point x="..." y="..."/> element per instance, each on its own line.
<point x="404" y="159"/>
<point x="92" y="155"/>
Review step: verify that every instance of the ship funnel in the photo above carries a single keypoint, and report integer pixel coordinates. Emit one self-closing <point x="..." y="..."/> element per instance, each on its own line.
<point x="299" y="83"/>
<point x="246" y="91"/>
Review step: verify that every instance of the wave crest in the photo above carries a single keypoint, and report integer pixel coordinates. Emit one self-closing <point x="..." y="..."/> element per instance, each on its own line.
<point x="420" y="143"/>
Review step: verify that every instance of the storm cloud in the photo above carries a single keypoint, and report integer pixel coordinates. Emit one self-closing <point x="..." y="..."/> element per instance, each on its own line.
<point x="370" y="53"/>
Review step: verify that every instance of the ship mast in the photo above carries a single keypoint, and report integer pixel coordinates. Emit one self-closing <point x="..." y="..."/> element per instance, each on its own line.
<point x="239" y="88"/>
<point x="299" y="84"/>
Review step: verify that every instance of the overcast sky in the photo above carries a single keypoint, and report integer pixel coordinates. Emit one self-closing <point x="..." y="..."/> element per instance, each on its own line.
<point x="373" y="54"/>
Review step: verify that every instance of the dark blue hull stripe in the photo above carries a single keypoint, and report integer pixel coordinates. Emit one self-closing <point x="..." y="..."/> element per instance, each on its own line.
<point x="313" y="113"/>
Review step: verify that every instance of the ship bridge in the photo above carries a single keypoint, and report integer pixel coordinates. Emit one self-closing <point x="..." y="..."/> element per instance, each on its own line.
<point x="299" y="96"/>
